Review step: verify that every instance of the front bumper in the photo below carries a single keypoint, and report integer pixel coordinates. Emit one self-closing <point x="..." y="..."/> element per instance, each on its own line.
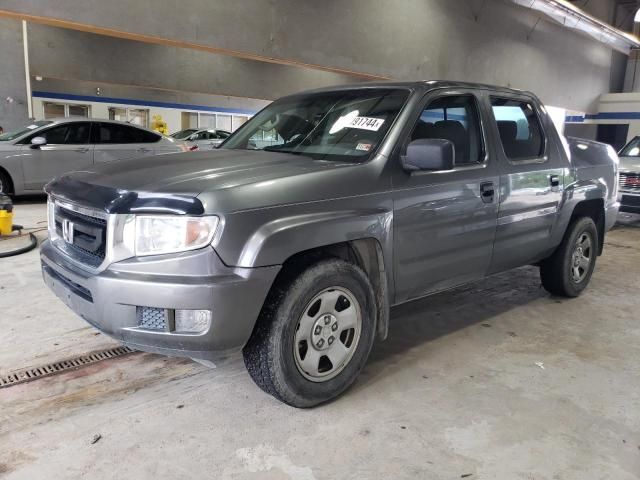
<point x="195" y="280"/>
<point x="629" y="202"/>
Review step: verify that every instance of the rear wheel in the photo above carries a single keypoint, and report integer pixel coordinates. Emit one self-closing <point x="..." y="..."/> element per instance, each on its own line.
<point x="314" y="335"/>
<point x="568" y="271"/>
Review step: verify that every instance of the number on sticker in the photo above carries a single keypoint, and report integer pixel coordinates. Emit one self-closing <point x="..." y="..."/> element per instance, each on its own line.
<point x="366" y="123"/>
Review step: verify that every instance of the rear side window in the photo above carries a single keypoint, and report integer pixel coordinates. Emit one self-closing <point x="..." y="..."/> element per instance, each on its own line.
<point x="519" y="127"/>
<point x="76" y="133"/>
<point x="110" y="133"/>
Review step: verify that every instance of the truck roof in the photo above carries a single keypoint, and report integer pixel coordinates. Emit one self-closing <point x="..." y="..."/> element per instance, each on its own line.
<point x="425" y="84"/>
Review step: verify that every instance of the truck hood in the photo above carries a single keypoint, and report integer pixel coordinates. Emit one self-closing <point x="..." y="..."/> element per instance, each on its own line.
<point x="196" y="172"/>
<point x="630" y="164"/>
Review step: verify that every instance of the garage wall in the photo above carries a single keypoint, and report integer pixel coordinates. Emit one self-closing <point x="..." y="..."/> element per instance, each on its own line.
<point x="492" y="41"/>
<point x="12" y="78"/>
<point x="102" y="59"/>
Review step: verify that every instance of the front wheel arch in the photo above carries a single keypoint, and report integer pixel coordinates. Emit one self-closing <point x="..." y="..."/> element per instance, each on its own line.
<point x="366" y="253"/>
<point x="594" y="209"/>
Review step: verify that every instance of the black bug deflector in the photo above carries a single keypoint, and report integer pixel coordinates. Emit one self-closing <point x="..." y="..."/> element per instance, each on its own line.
<point x="113" y="200"/>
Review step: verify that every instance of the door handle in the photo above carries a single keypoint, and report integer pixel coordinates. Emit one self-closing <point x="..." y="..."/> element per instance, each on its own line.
<point x="487" y="192"/>
<point x="554" y="180"/>
<point x="144" y="150"/>
<point x="81" y="150"/>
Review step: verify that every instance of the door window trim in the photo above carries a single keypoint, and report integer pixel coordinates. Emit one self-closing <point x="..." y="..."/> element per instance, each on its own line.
<point x="545" y="141"/>
<point x="432" y="96"/>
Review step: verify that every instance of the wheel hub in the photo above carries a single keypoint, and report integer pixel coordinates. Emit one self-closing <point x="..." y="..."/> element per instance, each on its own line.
<point x="324" y="331"/>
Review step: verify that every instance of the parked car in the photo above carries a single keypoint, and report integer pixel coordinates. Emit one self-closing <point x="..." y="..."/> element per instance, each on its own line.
<point x="206" y="139"/>
<point x="630" y="177"/>
<point x="367" y="196"/>
<point x="42" y="150"/>
<point x="182" y="134"/>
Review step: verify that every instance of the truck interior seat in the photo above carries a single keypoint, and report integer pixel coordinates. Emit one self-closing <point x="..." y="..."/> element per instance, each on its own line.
<point x="508" y="132"/>
<point x="455" y="132"/>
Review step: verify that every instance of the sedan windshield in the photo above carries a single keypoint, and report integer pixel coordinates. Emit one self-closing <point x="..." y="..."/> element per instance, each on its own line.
<point x="631" y="149"/>
<point x="8" y="136"/>
<point x="345" y="125"/>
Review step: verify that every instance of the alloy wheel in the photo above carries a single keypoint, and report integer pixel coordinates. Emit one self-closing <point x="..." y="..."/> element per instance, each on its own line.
<point x="581" y="257"/>
<point x="327" y="334"/>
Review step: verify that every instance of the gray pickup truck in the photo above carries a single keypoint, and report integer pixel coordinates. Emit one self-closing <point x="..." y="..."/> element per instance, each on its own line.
<point x="292" y="241"/>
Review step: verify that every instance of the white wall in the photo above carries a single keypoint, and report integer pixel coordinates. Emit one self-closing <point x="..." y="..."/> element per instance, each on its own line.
<point x="172" y="116"/>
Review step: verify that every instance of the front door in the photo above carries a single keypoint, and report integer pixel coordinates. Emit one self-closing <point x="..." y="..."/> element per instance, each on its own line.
<point x="531" y="181"/>
<point x="445" y="221"/>
<point x="67" y="150"/>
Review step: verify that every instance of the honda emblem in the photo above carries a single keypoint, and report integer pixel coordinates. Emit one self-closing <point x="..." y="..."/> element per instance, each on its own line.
<point x="67" y="231"/>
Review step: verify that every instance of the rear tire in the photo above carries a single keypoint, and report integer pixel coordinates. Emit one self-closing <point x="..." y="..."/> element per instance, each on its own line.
<point x="568" y="271"/>
<point x="314" y="334"/>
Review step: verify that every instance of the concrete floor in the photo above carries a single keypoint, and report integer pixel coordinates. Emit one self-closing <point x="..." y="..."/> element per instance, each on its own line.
<point x="458" y="391"/>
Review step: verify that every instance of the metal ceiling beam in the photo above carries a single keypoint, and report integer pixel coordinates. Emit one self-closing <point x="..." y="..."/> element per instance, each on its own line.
<point x="574" y="18"/>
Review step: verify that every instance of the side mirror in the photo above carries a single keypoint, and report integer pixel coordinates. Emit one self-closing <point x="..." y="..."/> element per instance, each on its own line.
<point x="37" y="142"/>
<point x="429" y="154"/>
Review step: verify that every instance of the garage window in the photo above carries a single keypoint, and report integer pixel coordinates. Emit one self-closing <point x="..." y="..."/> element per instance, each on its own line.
<point x="519" y="128"/>
<point x="54" y="110"/>
<point x="137" y="116"/>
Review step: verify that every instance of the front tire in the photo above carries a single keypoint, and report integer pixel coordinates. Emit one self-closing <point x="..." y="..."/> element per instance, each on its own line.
<point x="314" y="334"/>
<point x="568" y="271"/>
<point x="5" y="184"/>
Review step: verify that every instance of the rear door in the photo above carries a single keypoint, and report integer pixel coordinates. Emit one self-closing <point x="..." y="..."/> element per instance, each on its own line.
<point x="531" y="180"/>
<point x="67" y="149"/>
<point x="114" y="141"/>
<point x="445" y="221"/>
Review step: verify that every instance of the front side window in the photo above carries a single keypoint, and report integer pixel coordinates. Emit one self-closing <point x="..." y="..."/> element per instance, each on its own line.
<point x="76" y="133"/>
<point x="111" y="133"/>
<point x="519" y="127"/>
<point x="631" y="149"/>
<point x="343" y="126"/>
<point x="454" y="118"/>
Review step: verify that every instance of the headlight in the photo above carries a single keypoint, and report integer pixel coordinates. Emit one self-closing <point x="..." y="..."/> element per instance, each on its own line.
<point x="156" y="235"/>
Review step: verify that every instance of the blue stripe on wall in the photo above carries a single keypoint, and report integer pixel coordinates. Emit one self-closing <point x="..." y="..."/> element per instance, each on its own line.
<point x="603" y="116"/>
<point x="142" y="103"/>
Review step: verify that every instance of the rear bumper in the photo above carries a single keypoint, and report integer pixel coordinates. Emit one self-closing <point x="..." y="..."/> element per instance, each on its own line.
<point x="629" y="203"/>
<point x="195" y="281"/>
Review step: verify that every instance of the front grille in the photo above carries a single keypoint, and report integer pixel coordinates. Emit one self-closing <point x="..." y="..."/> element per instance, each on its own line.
<point x="630" y="182"/>
<point x="89" y="234"/>
<point x="152" y="318"/>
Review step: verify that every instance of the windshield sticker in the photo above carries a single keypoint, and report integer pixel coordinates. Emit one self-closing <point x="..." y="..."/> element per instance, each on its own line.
<point x="366" y="123"/>
<point x="31" y="127"/>
<point x="365" y="147"/>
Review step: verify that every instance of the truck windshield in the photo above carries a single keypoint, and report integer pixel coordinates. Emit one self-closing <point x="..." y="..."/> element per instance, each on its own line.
<point x="8" y="136"/>
<point x="344" y="125"/>
<point x="631" y="149"/>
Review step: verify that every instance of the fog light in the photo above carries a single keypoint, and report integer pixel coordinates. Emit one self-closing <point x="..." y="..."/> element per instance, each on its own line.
<point x="192" y="321"/>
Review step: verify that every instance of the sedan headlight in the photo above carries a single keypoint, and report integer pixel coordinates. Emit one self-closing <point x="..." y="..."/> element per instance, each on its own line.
<point x="156" y="235"/>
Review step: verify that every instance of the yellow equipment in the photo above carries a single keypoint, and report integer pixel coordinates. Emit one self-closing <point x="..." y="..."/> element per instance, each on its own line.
<point x="6" y="215"/>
